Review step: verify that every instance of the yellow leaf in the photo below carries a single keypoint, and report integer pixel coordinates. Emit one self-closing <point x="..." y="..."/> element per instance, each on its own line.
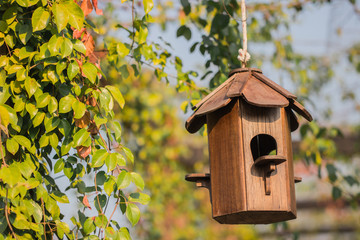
<point x="4" y="116"/>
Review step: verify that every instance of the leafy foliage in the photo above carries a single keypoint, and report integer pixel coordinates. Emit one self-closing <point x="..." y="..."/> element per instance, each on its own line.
<point x="55" y="107"/>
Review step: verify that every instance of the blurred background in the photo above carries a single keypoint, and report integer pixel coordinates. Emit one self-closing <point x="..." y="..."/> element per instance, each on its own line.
<point x="312" y="48"/>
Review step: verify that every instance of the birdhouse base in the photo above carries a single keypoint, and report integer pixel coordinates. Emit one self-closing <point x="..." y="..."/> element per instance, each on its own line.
<point x="255" y="217"/>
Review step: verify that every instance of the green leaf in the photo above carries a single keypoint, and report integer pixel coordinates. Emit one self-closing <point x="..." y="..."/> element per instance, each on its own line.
<point x="128" y="154"/>
<point x="13" y="119"/>
<point x="66" y="103"/>
<point x="99" y="120"/>
<point x="124" y="234"/>
<point x="60" y="197"/>
<point x="148" y="5"/>
<point x="10" y="14"/>
<point x="55" y="44"/>
<point x="123" y="180"/>
<point x="79" y="46"/>
<point x="66" y="48"/>
<point x="43" y="100"/>
<point x="89" y="226"/>
<point x="10" y="175"/>
<point x="100" y="178"/>
<point x="60" y="66"/>
<point x="61" y="16"/>
<point x="3" y="224"/>
<point x="31" y="86"/>
<point x="143" y="33"/>
<point x="90" y="71"/>
<point x="110" y="162"/>
<point x="109" y="185"/>
<point x="73" y="69"/>
<point x="76" y="15"/>
<point x="184" y="31"/>
<point x="116" y="128"/>
<point x="141" y="198"/>
<point x="44" y="141"/>
<point x="99" y="157"/>
<point x="25" y="33"/>
<point x="25" y="52"/>
<point x="336" y="192"/>
<point x="40" y="19"/>
<point x="10" y="40"/>
<point x="54" y="141"/>
<point x="53" y="105"/>
<point x="4" y="116"/>
<point x="31" y="109"/>
<point x="80" y="137"/>
<point x="219" y="22"/>
<point x="186" y="6"/>
<point x="38" y="119"/>
<point x="102" y="201"/>
<point x="106" y="101"/>
<point x="351" y="180"/>
<point x="101" y="221"/>
<point x="66" y="146"/>
<point x="79" y="109"/>
<point x="59" y="165"/>
<point x="122" y="50"/>
<point x="26" y="3"/>
<point x="12" y="146"/>
<point x="3" y="26"/>
<point x="23" y="141"/>
<point x="65" y="128"/>
<point x="113" y="160"/>
<point x="138" y="180"/>
<point x="133" y="213"/>
<point x="110" y="233"/>
<point x="68" y="170"/>
<point x="115" y="92"/>
<point x="331" y="172"/>
<point x="51" y="123"/>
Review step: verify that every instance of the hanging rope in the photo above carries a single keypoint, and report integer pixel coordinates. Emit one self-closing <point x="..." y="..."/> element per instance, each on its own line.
<point x="244" y="56"/>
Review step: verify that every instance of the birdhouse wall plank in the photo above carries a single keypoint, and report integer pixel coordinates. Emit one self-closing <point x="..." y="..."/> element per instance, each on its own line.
<point x="226" y="161"/>
<point x="256" y="121"/>
<point x="286" y="122"/>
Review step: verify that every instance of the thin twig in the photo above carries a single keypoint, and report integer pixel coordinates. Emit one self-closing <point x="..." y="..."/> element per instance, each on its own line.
<point x="116" y="204"/>
<point x="7" y="46"/>
<point x="97" y="195"/>
<point x="7" y="215"/>
<point x="43" y="209"/>
<point x="227" y="12"/>
<point x="107" y="134"/>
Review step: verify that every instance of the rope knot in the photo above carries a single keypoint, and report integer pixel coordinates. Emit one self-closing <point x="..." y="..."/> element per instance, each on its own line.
<point x="242" y="57"/>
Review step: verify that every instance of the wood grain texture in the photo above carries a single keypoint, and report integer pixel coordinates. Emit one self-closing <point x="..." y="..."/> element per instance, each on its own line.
<point x="226" y="161"/>
<point x="264" y="121"/>
<point x="274" y="85"/>
<point x="194" y="123"/>
<point x="261" y="95"/>
<point x="289" y="163"/>
<point x="210" y="95"/>
<point x="218" y="101"/>
<point x="237" y="84"/>
<point x="301" y="110"/>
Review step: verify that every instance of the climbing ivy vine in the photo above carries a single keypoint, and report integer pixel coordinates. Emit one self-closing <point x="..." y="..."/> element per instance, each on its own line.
<point x="56" y="117"/>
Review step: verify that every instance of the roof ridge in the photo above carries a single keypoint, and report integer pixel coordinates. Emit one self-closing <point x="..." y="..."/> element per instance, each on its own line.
<point x="210" y="95"/>
<point x="274" y="86"/>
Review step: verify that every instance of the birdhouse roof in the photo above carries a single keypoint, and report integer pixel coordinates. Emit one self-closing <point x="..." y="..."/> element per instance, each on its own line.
<point x="256" y="89"/>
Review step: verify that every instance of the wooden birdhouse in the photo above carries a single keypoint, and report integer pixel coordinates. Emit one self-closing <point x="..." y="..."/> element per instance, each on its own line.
<point x="249" y="121"/>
